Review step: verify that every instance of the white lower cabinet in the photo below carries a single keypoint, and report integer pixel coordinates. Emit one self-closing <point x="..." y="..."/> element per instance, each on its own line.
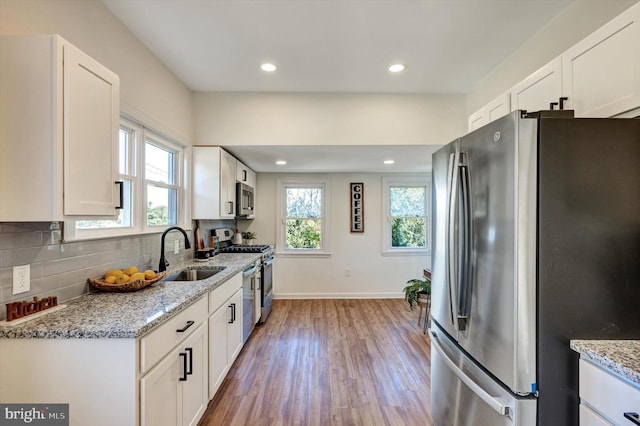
<point x="606" y="397"/>
<point x="165" y="377"/>
<point x="225" y="330"/>
<point x="174" y="392"/>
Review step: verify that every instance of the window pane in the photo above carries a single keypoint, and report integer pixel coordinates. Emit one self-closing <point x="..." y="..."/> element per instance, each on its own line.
<point x="124" y="217"/>
<point x="304" y="202"/>
<point x="125" y="140"/>
<point x="408" y="201"/>
<point x="408" y="232"/>
<point x="159" y="164"/>
<point x="162" y="206"/>
<point x="303" y="234"/>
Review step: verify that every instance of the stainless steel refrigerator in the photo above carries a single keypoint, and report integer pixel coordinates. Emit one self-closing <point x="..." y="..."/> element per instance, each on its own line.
<point x="536" y="236"/>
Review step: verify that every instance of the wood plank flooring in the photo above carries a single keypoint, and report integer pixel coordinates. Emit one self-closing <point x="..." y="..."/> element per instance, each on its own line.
<point x="329" y="362"/>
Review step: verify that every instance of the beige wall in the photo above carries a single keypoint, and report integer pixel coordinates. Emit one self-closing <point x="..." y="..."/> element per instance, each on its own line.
<point x="327" y="119"/>
<point x="371" y="274"/>
<point x="580" y="19"/>
<point x="149" y="90"/>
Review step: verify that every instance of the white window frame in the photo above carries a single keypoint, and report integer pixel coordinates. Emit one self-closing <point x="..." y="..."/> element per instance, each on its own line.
<point x="162" y="143"/>
<point x="139" y="188"/>
<point x="392" y="181"/>
<point x="324" y="184"/>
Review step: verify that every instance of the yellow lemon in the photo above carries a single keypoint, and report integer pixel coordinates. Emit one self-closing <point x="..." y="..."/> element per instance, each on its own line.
<point x="122" y="278"/>
<point x="110" y="279"/>
<point x="137" y="276"/>
<point x="149" y="274"/>
<point x="113" y="272"/>
<point x="130" y="270"/>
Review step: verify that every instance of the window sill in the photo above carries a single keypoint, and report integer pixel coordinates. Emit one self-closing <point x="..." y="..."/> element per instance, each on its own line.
<point x="303" y="254"/>
<point x="407" y="252"/>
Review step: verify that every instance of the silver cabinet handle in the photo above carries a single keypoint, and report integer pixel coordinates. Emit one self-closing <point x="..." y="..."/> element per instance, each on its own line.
<point x="496" y="403"/>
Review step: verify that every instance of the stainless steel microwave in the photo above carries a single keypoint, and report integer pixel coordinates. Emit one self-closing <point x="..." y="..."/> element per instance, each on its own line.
<point x="244" y="200"/>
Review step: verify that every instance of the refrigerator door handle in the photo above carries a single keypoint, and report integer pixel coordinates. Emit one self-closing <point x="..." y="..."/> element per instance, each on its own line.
<point x="464" y="252"/>
<point x="496" y="403"/>
<point x="450" y="240"/>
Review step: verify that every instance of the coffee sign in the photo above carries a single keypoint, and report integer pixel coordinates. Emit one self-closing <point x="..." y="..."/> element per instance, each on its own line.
<point x="357" y="207"/>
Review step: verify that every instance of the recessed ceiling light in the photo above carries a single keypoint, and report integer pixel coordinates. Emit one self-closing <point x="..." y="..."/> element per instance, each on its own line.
<point x="268" y="67"/>
<point x="389" y="161"/>
<point x="281" y="162"/>
<point x="397" y="67"/>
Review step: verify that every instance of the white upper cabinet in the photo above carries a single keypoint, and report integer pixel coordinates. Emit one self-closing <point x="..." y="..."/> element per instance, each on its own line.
<point x="601" y="74"/>
<point x="245" y="175"/>
<point x="59" y="118"/>
<point x="540" y="89"/>
<point x="495" y="109"/>
<point x="214" y="183"/>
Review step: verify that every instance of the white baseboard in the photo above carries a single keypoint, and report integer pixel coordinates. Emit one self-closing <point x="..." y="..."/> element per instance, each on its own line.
<point x="390" y="295"/>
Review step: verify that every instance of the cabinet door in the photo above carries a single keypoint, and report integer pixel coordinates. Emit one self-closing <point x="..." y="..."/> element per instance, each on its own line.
<point x="477" y="120"/>
<point x="195" y="389"/>
<point x="537" y="91"/>
<point x="91" y="116"/>
<point x="493" y="110"/>
<point x="160" y="393"/>
<point x="601" y="74"/>
<point x="234" y="332"/>
<point x="227" y="185"/>
<point x="218" y="346"/>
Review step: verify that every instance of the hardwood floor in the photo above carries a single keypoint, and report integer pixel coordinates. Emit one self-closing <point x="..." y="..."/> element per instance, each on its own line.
<point x="329" y="362"/>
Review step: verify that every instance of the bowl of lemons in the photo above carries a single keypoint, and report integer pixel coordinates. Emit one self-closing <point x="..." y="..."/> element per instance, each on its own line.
<point x="127" y="279"/>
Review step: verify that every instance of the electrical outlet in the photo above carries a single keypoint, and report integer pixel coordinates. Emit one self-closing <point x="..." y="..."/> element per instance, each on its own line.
<point x="176" y="246"/>
<point x="21" y="279"/>
<point x="347" y="272"/>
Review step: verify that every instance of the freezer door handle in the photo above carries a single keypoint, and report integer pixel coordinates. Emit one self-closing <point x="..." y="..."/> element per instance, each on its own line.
<point x="496" y="403"/>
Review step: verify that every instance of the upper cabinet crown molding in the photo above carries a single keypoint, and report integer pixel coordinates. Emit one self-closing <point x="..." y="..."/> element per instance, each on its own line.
<point x="59" y="121"/>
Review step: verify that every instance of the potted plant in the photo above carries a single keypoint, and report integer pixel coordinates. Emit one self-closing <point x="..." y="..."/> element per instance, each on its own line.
<point x="418" y="290"/>
<point x="248" y="237"/>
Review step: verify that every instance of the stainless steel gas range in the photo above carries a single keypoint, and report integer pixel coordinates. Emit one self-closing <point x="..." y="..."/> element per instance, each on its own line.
<point x="262" y="284"/>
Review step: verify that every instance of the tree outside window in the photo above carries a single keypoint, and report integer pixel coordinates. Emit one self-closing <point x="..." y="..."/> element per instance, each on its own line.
<point x="303" y="221"/>
<point x="406" y="213"/>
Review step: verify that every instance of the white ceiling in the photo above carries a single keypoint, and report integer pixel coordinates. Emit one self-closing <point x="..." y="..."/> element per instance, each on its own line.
<point x="333" y="46"/>
<point x="337" y="158"/>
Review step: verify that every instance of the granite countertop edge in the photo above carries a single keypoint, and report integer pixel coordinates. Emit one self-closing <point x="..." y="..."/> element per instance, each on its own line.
<point x="104" y="315"/>
<point x="619" y="356"/>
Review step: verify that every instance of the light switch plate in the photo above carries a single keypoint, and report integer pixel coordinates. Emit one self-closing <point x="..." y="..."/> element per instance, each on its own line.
<point x="21" y="279"/>
<point x="176" y="246"/>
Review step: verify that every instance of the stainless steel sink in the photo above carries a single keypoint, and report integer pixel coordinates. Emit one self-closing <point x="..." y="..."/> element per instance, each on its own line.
<point x="194" y="274"/>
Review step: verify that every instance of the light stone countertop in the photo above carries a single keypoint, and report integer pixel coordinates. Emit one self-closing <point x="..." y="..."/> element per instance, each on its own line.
<point x="619" y="356"/>
<point x="102" y="315"/>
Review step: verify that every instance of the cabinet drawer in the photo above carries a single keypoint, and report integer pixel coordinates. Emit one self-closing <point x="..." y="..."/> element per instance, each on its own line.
<point x="221" y="294"/>
<point x="608" y="395"/>
<point x="159" y="342"/>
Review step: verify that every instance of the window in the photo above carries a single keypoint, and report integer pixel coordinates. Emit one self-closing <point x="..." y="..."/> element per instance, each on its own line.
<point x="406" y="223"/>
<point x="161" y="182"/>
<point x="151" y="170"/>
<point x="303" y="228"/>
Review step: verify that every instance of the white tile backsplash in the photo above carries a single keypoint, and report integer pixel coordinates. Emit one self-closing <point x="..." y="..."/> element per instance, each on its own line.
<point x="61" y="269"/>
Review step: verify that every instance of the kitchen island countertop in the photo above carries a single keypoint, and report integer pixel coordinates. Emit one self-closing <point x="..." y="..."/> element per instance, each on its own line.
<point x="102" y="315"/>
<point x="620" y="356"/>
